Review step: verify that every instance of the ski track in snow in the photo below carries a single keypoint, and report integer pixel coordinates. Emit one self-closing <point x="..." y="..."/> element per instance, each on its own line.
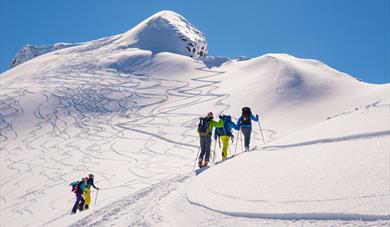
<point x="333" y="140"/>
<point x="140" y="208"/>
<point x="77" y="105"/>
<point x="73" y="136"/>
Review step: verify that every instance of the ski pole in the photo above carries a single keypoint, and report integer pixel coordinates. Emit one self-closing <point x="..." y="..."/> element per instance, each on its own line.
<point x="242" y="149"/>
<point x="97" y="191"/>
<point x="215" y="145"/>
<point x="238" y="138"/>
<point x="196" y="158"/>
<point x="258" y="122"/>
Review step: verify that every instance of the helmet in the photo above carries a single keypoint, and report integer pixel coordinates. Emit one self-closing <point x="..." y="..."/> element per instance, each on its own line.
<point x="90" y="175"/>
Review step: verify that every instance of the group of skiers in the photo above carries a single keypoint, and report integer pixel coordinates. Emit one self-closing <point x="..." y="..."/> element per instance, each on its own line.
<point x="223" y="130"/>
<point x="82" y="190"/>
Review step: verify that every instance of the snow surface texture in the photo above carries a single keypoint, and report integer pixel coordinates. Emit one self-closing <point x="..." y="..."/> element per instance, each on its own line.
<point x="30" y="51"/>
<point x="129" y="114"/>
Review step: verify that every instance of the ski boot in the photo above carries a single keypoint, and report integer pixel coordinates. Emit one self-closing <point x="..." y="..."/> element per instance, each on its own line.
<point x="205" y="163"/>
<point x="200" y="163"/>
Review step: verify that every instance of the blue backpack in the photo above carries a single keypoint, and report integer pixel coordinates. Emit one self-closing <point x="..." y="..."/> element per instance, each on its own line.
<point x="74" y="185"/>
<point x="226" y="130"/>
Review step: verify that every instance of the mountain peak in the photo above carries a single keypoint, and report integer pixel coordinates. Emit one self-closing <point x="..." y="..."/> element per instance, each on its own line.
<point x="167" y="14"/>
<point x="166" y="31"/>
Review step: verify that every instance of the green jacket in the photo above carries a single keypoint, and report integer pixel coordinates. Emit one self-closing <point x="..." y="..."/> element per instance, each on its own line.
<point x="212" y="124"/>
<point x="215" y="124"/>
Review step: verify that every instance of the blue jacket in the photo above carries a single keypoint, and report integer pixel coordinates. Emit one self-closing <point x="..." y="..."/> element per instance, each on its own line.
<point x="227" y="127"/>
<point x="90" y="183"/>
<point x="242" y="125"/>
<point x="79" y="186"/>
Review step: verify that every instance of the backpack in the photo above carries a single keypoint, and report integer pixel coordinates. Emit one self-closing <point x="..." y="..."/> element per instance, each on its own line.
<point x="246" y="116"/>
<point x="225" y="130"/>
<point x="203" y="126"/>
<point x="74" y="185"/>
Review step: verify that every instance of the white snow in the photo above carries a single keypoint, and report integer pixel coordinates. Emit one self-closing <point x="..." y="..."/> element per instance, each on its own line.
<point x="166" y="31"/>
<point x="30" y="51"/>
<point x="126" y="108"/>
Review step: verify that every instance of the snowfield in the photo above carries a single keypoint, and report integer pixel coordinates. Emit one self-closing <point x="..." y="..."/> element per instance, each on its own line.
<point x="126" y="109"/>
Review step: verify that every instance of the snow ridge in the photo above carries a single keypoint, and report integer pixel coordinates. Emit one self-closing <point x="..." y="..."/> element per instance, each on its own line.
<point x="167" y="31"/>
<point x="29" y="52"/>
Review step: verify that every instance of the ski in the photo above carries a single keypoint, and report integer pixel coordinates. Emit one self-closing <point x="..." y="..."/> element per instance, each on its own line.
<point x="200" y="170"/>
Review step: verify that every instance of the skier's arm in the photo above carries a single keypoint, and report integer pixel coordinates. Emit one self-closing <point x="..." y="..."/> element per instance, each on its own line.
<point x="236" y="127"/>
<point x="255" y="118"/>
<point x="239" y="122"/>
<point x="82" y="186"/>
<point x="93" y="185"/>
<point x="215" y="124"/>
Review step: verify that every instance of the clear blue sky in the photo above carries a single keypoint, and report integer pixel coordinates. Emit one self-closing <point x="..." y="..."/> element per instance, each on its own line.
<point x="349" y="35"/>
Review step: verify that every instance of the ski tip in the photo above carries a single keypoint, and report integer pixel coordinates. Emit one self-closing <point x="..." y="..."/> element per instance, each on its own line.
<point x="200" y="170"/>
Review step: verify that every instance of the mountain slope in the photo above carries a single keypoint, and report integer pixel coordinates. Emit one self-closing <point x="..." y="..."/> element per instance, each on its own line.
<point x="126" y="110"/>
<point x="165" y="31"/>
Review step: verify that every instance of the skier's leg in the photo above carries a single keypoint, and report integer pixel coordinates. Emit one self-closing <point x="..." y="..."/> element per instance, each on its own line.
<point x="76" y="204"/>
<point x="207" y="149"/>
<point x="202" y="147"/>
<point x="82" y="202"/>
<point x="225" y="146"/>
<point x="87" y="196"/>
<point x="247" y="136"/>
<point x="202" y="151"/>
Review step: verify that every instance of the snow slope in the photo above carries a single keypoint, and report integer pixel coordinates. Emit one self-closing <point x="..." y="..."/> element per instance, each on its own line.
<point x="165" y="31"/>
<point x="30" y="51"/>
<point x="126" y="107"/>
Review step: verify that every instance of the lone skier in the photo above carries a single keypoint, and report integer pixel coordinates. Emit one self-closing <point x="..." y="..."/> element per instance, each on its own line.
<point x="225" y="133"/>
<point x="205" y="129"/>
<point x="245" y="123"/>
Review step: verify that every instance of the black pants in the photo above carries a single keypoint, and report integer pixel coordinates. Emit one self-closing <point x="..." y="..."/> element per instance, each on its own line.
<point x="79" y="202"/>
<point x="205" y="145"/>
<point x="247" y="135"/>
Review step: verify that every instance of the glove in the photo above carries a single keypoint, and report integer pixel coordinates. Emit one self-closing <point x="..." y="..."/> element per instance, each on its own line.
<point x="257" y="116"/>
<point x="97" y="188"/>
<point x="220" y="117"/>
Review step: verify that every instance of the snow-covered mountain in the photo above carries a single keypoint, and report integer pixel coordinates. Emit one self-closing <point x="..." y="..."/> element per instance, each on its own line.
<point x="125" y="108"/>
<point x="30" y="51"/>
<point x="165" y="31"/>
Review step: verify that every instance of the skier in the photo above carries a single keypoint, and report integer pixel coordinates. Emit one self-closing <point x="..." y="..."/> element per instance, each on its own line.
<point x="79" y="189"/>
<point x="225" y="133"/>
<point x="245" y="123"/>
<point x="205" y="129"/>
<point x="87" y="192"/>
